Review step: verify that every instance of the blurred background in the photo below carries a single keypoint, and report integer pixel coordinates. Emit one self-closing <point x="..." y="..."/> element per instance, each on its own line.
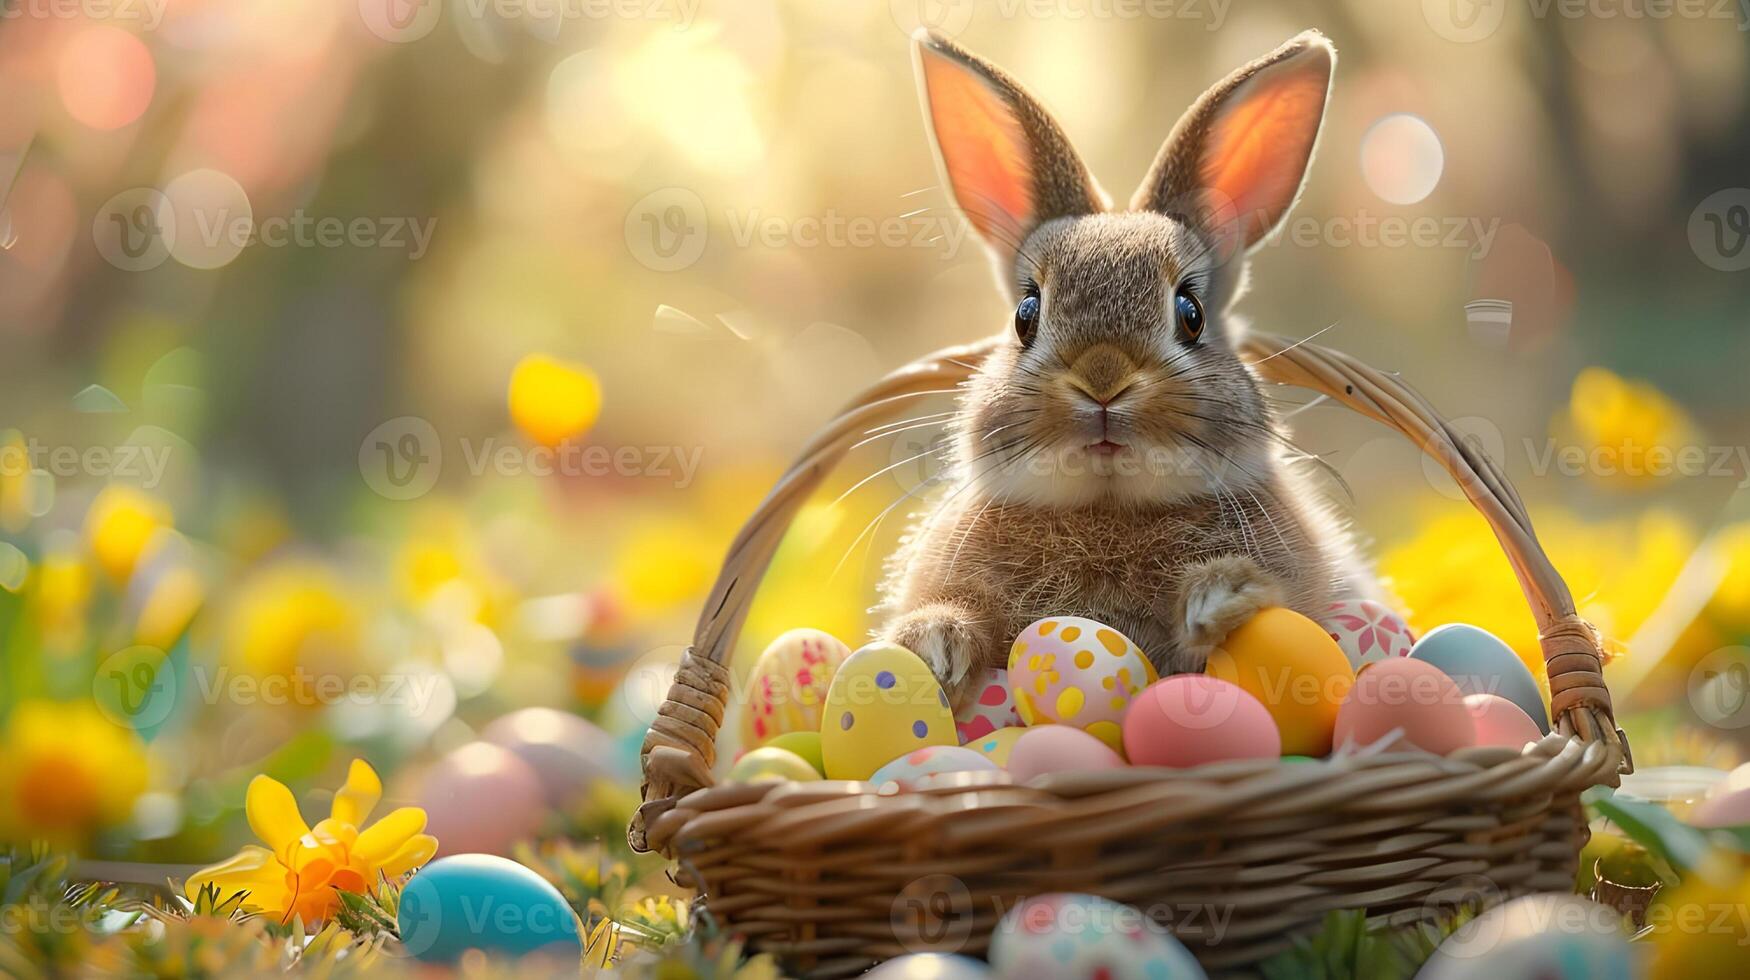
<point x="373" y="369"/>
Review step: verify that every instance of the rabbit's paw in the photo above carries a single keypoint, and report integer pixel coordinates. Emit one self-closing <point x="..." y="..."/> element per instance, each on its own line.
<point x="1215" y="597"/>
<point x="948" y="639"/>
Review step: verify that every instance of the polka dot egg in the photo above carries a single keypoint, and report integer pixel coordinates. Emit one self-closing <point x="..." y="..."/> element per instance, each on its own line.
<point x="1072" y="671"/>
<point x="1367" y="631"/>
<point x="788" y="685"/>
<point x="1084" y="937"/>
<point x="991" y="709"/>
<point x="883" y="704"/>
<point x="929" y="761"/>
<point x="998" y="744"/>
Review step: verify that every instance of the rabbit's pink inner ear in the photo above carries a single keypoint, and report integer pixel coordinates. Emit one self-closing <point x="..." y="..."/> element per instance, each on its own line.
<point x="984" y="149"/>
<point x="1257" y="147"/>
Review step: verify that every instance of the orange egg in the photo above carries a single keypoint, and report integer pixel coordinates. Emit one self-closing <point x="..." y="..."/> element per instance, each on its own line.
<point x="1292" y="665"/>
<point x="1410" y="696"/>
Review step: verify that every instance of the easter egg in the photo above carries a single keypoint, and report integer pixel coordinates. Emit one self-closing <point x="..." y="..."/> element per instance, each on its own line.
<point x="1084" y="937"/>
<point x="1367" y="631"/>
<point x="1072" y="671"/>
<point x="1481" y="664"/>
<point x="480" y="901"/>
<point x="1059" y="748"/>
<point x="993" y="707"/>
<point x="1545" y="936"/>
<point x="788" y="684"/>
<point x="804" y="744"/>
<point x="882" y="704"/>
<point x="1500" y="722"/>
<point x="769" y="764"/>
<point x="1408" y="695"/>
<point x="930" y="760"/>
<point x="998" y="745"/>
<point x="1190" y="719"/>
<point x="1292" y="665"/>
<point x="481" y="798"/>
<point x="568" y="753"/>
<point x="929" y="966"/>
<point x="1726" y="810"/>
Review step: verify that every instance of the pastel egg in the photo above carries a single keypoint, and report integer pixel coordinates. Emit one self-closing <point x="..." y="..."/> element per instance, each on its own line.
<point x="1059" y="748"/>
<point x="882" y="704"/>
<point x="442" y="913"/>
<point x="929" y="966"/>
<point x="1085" y="937"/>
<point x="1072" y="671"/>
<point x="1367" y="631"/>
<point x="993" y="707"/>
<point x="1500" y="722"/>
<point x="999" y="745"/>
<point x="1537" y="937"/>
<point x="769" y="764"/>
<point x="568" y="753"/>
<point x="1291" y="665"/>
<point x="481" y="798"/>
<point x="1190" y="719"/>
<point x="1726" y="810"/>
<point x="1409" y="696"/>
<point x="929" y="761"/>
<point x="788" y="685"/>
<point x="804" y="744"/>
<point x="1481" y="664"/>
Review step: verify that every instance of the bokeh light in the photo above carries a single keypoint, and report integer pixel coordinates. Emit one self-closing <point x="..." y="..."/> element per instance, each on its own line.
<point x="106" y="77"/>
<point x="1401" y="159"/>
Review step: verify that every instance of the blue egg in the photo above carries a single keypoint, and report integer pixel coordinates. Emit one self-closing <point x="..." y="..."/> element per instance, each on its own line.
<point x="930" y="966"/>
<point x="1479" y="663"/>
<point x="480" y="901"/>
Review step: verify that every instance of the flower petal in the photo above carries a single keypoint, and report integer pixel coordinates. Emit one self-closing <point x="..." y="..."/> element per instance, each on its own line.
<point x="254" y="870"/>
<point x="273" y="814"/>
<point x="386" y="836"/>
<point x="354" y="802"/>
<point x="418" y="850"/>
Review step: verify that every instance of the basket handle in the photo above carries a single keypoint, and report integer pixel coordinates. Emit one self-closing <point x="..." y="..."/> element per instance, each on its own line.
<point x="680" y="748"/>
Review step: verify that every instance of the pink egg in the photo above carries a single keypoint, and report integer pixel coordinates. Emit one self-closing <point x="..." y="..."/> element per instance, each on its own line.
<point x="1059" y="748"/>
<point x="1367" y="631"/>
<point x="1411" y="696"/>
<point x="481" y="799"/>
<point x="992" y="708"/>
<point x="1190" y="719"/>
<point x="1725" y="810"/>
<point x="1500" y="722"/>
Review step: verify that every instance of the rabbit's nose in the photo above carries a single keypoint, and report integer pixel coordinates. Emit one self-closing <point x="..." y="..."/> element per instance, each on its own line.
<point x="1102" y="372"/>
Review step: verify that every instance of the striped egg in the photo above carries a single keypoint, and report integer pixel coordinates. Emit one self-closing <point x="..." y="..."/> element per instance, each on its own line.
<point x="1067" y="670"/>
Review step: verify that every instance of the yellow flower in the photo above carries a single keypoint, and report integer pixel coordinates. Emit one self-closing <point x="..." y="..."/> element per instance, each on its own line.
<point x="552" y="400"/>
<point x="23" y="493"/>
<point x="1630" y="431"/>
<point x="303" y="869"/>
<point x="66" y="770"/>
<point x="120" y="527"/>
<point x="293" y="620"/>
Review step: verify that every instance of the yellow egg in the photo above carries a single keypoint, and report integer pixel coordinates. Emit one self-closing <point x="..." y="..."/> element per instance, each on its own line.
<point x="788" y="684"/>
<point x="804" y="744"/>
<point x="883" y="703"/>
<point x="1292" y="665"/>
<point x="998" y="744"/>
<point x="1067" y="670"/>
<point x="771" y="765"/>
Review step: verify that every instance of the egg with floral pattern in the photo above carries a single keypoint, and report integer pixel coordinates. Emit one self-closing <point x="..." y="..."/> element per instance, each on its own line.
<point x="929" y="761"/>
<point x="993" y="707"/>
<point x="883" y="703"/>
<point x="787" y="686"/>
<point x="1367" y="631"/>
<point x="1084" y="937"/>
<point x="1067" y="670"/>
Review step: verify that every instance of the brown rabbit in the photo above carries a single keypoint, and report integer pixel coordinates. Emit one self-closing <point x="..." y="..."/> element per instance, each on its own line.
<point x="1114" y="458"/>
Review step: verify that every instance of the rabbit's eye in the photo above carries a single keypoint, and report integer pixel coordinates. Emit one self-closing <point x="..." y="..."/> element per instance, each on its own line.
<point x="1188" y="315"/>
<point x="1027" y="316"/>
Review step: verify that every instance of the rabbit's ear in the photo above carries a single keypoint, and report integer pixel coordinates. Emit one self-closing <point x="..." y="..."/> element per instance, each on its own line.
<point x="1237" y="159"/>
<point x="1008" y="164"/>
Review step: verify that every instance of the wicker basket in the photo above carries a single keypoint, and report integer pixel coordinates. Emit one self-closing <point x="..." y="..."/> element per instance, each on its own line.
<point x="1234" y="857"/>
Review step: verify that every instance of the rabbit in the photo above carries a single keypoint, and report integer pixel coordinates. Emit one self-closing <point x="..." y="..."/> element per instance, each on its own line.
<point x="1113" y="458"/>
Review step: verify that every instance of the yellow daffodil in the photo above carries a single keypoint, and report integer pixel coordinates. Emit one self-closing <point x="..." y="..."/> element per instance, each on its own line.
<point x="302" y="870"/>
<point x="66" y="771"/>
<point x="292" y="621"/>
<point x="552" y="400"/>
<point x="121" y="526"/>
<point x="1631" y="433"/>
